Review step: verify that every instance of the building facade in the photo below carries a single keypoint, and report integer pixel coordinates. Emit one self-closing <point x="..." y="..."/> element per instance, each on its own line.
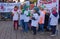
<point x="9" y="0"/>
<point x="15" y="0"/>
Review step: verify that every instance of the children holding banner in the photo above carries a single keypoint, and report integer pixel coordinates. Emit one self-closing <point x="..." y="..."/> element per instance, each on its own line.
<point x="35" y="18"/>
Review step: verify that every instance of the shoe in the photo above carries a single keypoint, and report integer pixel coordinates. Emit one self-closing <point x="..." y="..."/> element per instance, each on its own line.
<point x="34" y="34"/>
<point x="53" y="35"/>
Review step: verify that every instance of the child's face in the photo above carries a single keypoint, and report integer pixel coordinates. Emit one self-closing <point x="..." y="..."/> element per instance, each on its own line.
<point x="21" y="7"/>
<point x="15" y="9"/>
<point x="54" y="9"/>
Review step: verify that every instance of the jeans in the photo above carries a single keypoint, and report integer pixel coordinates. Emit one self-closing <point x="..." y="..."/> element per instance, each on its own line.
<point x="22" y="24"/>
<point x="53" y="29"/>
<point x="41" y="27"/>
<point x="15" y="24"/>
<point x="26" y="26"/>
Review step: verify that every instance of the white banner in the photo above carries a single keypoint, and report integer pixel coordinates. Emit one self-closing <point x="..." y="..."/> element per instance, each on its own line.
<point x="7" y="7"/>
<point x="49" y="4"/>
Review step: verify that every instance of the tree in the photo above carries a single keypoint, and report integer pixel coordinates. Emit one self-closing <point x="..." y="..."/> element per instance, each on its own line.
<point x="33" y="1"/>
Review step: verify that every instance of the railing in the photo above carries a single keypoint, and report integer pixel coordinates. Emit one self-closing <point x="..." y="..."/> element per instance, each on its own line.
<point x="5" y="16"/>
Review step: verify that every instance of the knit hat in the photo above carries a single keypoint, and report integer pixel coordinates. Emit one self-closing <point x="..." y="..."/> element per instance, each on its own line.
<point x="36" y="8"/>
<point x="42" y="6"/>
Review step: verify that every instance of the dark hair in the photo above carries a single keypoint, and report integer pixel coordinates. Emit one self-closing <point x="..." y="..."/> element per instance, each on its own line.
<point x="37" y="12"/>
<point x="16" y="7"/>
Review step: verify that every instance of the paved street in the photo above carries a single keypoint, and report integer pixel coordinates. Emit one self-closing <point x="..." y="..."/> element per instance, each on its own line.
<point x="7" y="32"/>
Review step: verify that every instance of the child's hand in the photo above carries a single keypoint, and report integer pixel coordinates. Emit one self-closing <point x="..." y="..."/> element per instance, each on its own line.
<point x="36" y="28"/>
<point x="21" y="13"/>
<point x="33" y="18"/>
<point x="12" y="14"/>
<point x="30" y="17"/>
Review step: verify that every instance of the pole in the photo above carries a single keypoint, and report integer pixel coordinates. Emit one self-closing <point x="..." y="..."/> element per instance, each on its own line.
<point x="36" y="2"/>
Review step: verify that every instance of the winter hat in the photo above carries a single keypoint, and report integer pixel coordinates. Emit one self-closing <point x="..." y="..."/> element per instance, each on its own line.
<point x="36" y="8"/>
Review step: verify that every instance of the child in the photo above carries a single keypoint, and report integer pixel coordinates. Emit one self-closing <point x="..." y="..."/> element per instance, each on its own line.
<point x="34" y="23"/>
<point x="41" y="19"/>
<point x="15" y="17"/>
<point x="47" y="19"/>
<point x="54" y="20"/>
<point x="21" y="17"/>
<point x="26" y="19"/>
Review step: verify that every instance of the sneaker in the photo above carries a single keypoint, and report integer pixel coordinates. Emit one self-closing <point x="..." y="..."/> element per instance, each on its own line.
<point x="53" y="35"/>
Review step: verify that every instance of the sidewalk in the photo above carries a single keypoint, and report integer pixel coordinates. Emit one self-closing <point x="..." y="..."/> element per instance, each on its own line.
<point x="7" y="32"/>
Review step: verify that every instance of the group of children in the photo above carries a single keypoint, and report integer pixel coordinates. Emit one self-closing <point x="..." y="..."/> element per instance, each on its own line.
<point x="34" y="19"/>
